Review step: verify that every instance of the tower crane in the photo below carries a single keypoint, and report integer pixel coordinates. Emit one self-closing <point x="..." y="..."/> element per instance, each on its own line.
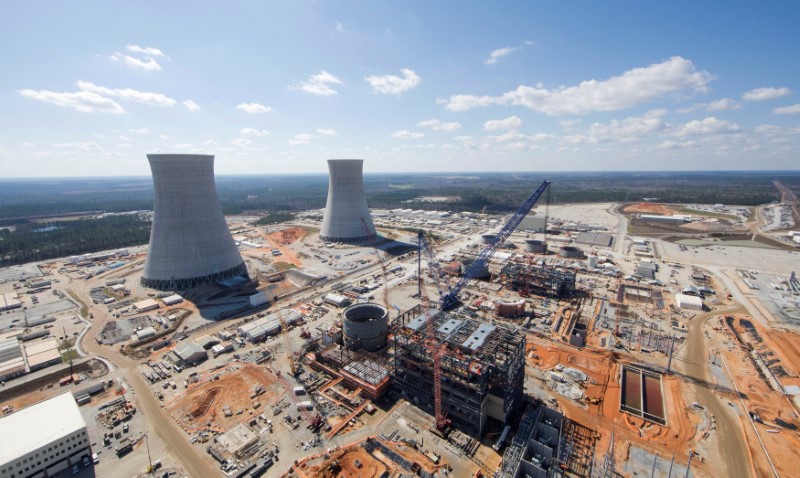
<point x="285" y="329"/>
<point x="381" y="261"/>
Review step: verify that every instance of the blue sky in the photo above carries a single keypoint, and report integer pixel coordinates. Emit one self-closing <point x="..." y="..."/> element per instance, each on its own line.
<point x="89" y="88"/>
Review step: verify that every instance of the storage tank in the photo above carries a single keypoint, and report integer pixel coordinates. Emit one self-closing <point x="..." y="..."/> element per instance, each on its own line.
<point x="190" y="243"/>
<point x="570" y="252"/>
<point x="347" y="218"/>
<point x="592" y="261"/>
<point x="488" y="238"/>
<point x="365" y="326"/>
<point x="481" y="273"/>
<point x="536" y="246"/>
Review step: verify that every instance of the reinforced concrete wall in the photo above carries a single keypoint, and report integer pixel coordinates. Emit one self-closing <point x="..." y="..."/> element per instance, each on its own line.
<point x="346" y="211"/>
<point x="190" y="243"/>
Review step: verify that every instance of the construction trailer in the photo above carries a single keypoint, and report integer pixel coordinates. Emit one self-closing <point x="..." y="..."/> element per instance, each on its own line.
<point x="482" y="367"/>
<point x="530" y="279"/>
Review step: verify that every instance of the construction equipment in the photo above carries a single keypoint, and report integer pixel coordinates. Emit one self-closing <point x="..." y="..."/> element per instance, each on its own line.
<point x="450" y="299"/>
<point x="442" y="422"/>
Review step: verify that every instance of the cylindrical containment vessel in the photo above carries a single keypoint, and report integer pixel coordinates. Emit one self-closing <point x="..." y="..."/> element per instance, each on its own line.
<point x="190" y="243"/>
<point x="347" y="218"/>
<point x="488" y="238"/>
<point x="592" y="261"/>
<point x="536" y="246"/>
<point x="570" y="252"/>
<point x="481" y="273"/>
<point x="365" y="326"/>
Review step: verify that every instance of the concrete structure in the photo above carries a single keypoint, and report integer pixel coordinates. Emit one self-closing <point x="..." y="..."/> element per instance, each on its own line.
<point x="346" y="211"/>
<point x="481" y="273"/>
<point x="510" y="309"/>
<point x="536" y="246"/>
<point x="190" y="243"/>
<point x="688" y="302"/>
<point x="366" y="326"/>
<point x="482" y="367"/>
<point x="534" y="451"/>
<point x="533" y="223"/>
<point x="570" y="252"/>
<point x="44" y="439"/>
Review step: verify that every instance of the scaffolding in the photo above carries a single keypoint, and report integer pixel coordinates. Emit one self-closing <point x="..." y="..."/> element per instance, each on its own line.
<point x="482" y="366"/>
<point x="531" y="279"/>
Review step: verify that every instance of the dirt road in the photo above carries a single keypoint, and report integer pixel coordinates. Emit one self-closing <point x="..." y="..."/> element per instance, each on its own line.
<point x="732" y="447"/>
<point x="158" y="420"/>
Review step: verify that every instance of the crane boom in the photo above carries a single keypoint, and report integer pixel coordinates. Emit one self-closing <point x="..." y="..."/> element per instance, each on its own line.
<point x="449" y="300"/>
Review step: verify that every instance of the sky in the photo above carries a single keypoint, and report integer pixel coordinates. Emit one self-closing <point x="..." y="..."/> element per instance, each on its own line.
<point x="90" y="88"/>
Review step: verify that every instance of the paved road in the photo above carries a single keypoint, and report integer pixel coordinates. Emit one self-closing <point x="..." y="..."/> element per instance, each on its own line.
<point x="732" y="447"/>
<point x="619" y="244"/>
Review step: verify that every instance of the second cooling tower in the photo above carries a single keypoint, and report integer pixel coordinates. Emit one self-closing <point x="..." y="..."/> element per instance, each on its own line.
<point x="347" y="217"/>
<point x="190" y="243"/>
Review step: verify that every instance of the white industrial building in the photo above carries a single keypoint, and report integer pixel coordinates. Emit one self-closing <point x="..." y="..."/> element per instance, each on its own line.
<point x="336" y="300"/>
<point x="44" y="439"/>
<point x="144" y="333"/>
<point x="12" y="360"/>
<point x="259" y="329"/>
<point x="172" y="299"/>
<point x="146" y="305"/>
<point x="677" y="219"/>
<point x="347" y="218"/>
<point x="189" y="353"/>
<point x="688" y="302"/>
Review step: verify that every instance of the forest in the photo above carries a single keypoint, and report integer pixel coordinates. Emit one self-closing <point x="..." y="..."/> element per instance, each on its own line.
<point x="41" y="241"/>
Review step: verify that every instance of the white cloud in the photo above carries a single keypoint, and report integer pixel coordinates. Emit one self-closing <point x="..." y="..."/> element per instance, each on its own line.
<point x="123" y="145"/>
<point x="241" y="142"/>
<point x="670" y="144"/>
<point x="82" y="101"/>
<point x="253" y="132"/>
<point x="145" y="50"/>
<point x="392" y="84"/>
<point x="787" y="110"/>
<point x="163" y="136"/>
<point x="140" y="130"/>
<point x="191" y="106"/>
<point x="723" y="104"/>
<point x="253" y="108"/>
<point x="148" y="64"/>
<point x="319" y="84"/>
<point x="82" y="146"/>
<point x="404" y="134"/>
<point x="128" y="94"/>
<point x="27" y="145"/>
<point x="339" y="27"/>
<point x="633" y="87"/>
<point x="627" y="130"/>
<point x="327" y="131"/>
<point x="301" y="138"/>
<point x="437" y="125"/>
<point x="512" y="122"/>
<point x="769" y="93"/>
<point x="709" y="125"/>
<point x="497" y="54"/>
<point x="122" y="137"/>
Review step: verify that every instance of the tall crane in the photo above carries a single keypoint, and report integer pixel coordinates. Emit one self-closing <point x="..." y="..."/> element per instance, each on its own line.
<point x="381" y="261"/>
<point x="450" y="299"/>
<point x="435" y="351"/>
<point x="289" y="357"/>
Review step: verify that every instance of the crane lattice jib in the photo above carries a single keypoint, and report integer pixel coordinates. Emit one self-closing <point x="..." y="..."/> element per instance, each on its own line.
<point x="433" y="263"/>
<point x="451" y="298"/>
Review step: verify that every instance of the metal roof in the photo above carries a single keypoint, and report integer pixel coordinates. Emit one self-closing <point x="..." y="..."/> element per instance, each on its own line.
<point x="479" y="336"/>
<point x="419" y="321"/>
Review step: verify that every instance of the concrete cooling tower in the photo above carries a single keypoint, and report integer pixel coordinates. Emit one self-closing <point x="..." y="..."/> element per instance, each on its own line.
<point x="190" y="243"/>
<point x="347" y="204"/>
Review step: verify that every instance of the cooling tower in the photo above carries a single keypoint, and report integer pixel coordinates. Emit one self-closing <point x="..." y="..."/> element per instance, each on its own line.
<point x="347" y="204"/>
<point x="190" y="243"/>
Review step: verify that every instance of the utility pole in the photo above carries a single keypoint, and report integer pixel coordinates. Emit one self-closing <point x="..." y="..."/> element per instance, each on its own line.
<point x="149" y="460"/>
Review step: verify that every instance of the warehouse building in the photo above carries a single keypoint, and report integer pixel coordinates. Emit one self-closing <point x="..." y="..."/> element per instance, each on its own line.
<point x="12" y="360"/>
<point x="42" y="354"/>
<point x="9" y="302"/>
<point x="688" y="302"/>
<point x="258" y="330"/>
<point x="188" y="354"/>
<point x="336" y="300"/>
<point x="48" y="438"/>
<point x="172" y="299"/>
<point x="146" y="305"/>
